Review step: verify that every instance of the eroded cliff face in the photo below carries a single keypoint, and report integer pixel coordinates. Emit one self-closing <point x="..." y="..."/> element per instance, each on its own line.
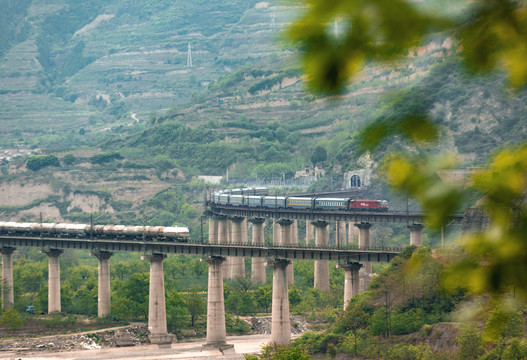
<point x="57" y="195"/>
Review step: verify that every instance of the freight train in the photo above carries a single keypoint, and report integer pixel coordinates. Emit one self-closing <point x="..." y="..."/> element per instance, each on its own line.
<point x="168" y="233"/>
<point x="259" y="197"/>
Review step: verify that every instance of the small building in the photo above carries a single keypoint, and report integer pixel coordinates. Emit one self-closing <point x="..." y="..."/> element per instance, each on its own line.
<point x="310" y="173"/>
<point x="215" y="180"/>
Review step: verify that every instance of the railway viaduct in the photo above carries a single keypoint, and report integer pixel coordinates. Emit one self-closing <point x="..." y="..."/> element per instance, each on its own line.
<point x="227" y="244"/>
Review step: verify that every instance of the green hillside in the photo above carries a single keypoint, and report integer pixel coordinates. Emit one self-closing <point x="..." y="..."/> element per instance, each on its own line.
<point x="101" y="78"/>
<point x="94" y="63"/>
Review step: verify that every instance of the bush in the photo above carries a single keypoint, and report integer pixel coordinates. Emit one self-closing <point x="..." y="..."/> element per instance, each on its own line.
<point x="11" y="319"/>
<point x="235" y="325"/>
<point x="515" y="350"/>
<point x="69" y="159"/>
<point x="37" y="162"/>
<point x="270" y="352"/>
<point x="470" y="343"/>
<point x="104" y="158"/>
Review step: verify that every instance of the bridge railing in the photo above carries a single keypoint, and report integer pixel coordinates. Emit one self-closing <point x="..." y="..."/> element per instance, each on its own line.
<point x="306" y="247"/>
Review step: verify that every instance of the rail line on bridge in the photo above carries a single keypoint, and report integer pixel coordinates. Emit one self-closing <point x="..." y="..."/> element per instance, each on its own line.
<point x="292" y="252"/>
<point x="326" y="215"/>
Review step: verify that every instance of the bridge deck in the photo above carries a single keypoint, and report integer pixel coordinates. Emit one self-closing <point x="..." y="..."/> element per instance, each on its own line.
<point x="206" y="250"/>
<point x="327" y="215"/>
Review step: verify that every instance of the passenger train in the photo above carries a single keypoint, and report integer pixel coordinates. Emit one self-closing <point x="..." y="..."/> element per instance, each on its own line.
<point x="259" y="197"/>
<point x="170" y="233"/>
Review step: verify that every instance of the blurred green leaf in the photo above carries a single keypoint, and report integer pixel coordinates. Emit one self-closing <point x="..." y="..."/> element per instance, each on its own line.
<point x="492" y="35"/>
<point x="418" y="129"/>
<point x="374" y="30"/>
<point x="417" y="176"/>
<point x="495" y="36"/>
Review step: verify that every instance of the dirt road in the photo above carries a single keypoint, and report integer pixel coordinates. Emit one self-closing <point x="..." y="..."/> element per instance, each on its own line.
<point x="248" y="344"/>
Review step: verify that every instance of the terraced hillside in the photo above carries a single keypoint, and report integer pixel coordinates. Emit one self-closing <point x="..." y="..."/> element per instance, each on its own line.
<point x="101" y="62"/>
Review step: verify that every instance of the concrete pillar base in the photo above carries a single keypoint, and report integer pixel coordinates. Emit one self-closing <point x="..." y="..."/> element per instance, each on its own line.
<point x="351" y="280"/>
<point x="258" y="264"/>
<point x="54" y="304"/>
<point x="157" y="316"/>
<point x="224" y="348"/>
<point x="162" y="339"/>
<point x="364" y="235"/>
<point x="364" y="277"/>
<point x="321" y="266"/>
<point x="103" y="308"/>
<point x="216" y="331"/>
<point x="8" y="296"/>
<point x="280" y="321"/>
<point x="416" y="234"/>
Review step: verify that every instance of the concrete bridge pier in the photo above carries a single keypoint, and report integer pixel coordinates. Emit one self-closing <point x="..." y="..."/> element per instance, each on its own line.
<point x="293" y="241"/>
<point x="286" y="239"/>
<point x="8" y="295"/>
<point x="365" y="243"/>
<point x="341" y="236"/>
<point x="223" y="238"/>
<point x="309" y="233"/>
<point x="280" y="325"/>
<point x="294" y="233"/>
<point x="103" y="278"/>
<point x="53" y="280"/>
<point x="258" y="264"/>
<point x="416" y="234"/>
<point x="364" y="235"/>
<point x="157" y="313"/>
<point x="216" y="331"/>
<point x="213" y="230"/>
<point x="321" y="266"/>
<point x="276" y="233"/>
<point x="351" y="280"/>
<point x="351" y="232"/>
<point x="237" y="268"/>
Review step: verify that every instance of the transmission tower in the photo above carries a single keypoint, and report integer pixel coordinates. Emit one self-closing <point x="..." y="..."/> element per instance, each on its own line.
<point x="189" y="56"/>
<point x="273" y="21"/>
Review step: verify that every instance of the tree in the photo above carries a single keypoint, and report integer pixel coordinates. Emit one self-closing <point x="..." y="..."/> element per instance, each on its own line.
<point x="319" y="155"/>
<point x="470" y="343"/>
<point x="37" y="162"/>
<point x="176" y="310"/>
<point x="356" y="318"/>
<point x="195" y="304"/>
<point x="69" y="159"/>
<point x="264" y="297"/>
<point x="163" y="164"/>
<point x="132" y="297"/>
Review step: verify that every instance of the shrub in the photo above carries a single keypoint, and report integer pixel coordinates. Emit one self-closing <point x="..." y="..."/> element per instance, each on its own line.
<point x="104" y="158"/>
<point x="69" y="159"/>
<point x="11" y="319"/>
<point x="37" y="162"/>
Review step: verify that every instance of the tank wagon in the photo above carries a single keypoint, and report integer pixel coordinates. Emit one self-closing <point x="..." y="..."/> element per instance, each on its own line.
<point x="166" y="233"/>
<point x="259" y="197"/>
